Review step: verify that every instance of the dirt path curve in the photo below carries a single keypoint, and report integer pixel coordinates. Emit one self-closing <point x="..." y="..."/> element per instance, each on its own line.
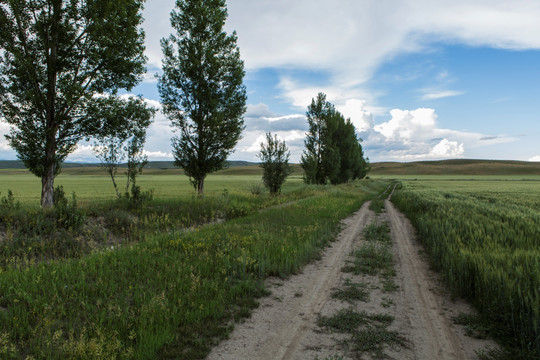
<point x="277" y="329"/>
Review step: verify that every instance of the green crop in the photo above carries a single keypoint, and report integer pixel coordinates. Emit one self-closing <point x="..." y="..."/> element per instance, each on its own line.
<point x="484" y="237"/>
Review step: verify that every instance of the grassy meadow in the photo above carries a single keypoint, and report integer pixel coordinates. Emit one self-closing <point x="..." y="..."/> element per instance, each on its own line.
<point x="160" y="289"/>
<point x="484" y="238"/>
<point x="94" y="185"/>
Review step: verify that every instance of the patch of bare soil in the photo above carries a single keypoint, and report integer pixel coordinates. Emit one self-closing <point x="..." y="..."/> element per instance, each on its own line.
<point x="285" y="324"/>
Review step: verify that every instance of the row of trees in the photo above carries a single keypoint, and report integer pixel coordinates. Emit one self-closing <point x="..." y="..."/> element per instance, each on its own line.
<point x="333" y="152"/>
<point x="63" y="63"/>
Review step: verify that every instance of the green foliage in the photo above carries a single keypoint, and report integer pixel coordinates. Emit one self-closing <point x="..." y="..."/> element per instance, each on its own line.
<point x="8" y="202"/>
<point x="170" y="295"/>
<point x="68" y="215"/>
<point x="333" y="152"/>
<point x="484" y="238"/>
<point x="123" y="138"/>
<point x="56" y="55"/>
<point x="274" y="156"/>
<point x="201" y="88"/>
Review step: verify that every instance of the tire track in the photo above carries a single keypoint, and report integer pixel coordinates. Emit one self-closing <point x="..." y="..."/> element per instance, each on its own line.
<point x="279" y="327"/>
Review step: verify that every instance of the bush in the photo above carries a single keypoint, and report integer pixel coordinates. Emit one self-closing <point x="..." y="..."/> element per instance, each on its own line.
<point x="68" y="215"/>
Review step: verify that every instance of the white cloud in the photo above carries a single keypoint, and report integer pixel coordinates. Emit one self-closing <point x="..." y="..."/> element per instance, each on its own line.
<point x="434" y="95"/>
<point x="355" y="110"/>
<point x="4" y="130"/>
<point x="347" y="43"/>
<point x="282" y="33"/>
<point x="535" y="158"/>
<point x="158" y="155"/>
<point x="83" y="153"/>
<point x="415" y="135"/>
<point x="447" y="149"/>
<point x="406" y="124"/>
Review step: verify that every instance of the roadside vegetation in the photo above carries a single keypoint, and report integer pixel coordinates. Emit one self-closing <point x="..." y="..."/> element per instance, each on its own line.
<point x="484" y="238"/>
<point x="166" y="294"/>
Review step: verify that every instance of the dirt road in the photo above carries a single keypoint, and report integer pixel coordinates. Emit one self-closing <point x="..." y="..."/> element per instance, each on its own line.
<point x="285" y="325"/>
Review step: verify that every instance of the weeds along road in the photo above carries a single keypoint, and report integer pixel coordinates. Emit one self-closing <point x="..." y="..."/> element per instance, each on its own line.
<point x="417" y="310"/>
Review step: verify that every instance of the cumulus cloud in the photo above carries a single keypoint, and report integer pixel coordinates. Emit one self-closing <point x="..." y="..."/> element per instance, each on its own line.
<point x="535" y="158"/>
<point x="416" y="135"/>
<point x="447" y="149"/>
<point x="406" y="124"/>
<point x="355" y="109"/>
<point x="295" y="35"/>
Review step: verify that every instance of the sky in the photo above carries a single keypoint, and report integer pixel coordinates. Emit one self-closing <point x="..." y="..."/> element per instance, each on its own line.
<point x="419" y="79"/>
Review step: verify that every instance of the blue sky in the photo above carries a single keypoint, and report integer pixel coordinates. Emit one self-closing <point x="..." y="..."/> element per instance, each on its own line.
<point x="420" y="79"/>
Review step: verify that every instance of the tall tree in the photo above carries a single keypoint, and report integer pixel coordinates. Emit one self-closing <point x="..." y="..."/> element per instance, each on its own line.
<point x="333" y="152"/>
<point x="201" y="88"/>
<point x="274" y="156"/>
<point x="56" y="55"/>
<point x="316" y="159"/>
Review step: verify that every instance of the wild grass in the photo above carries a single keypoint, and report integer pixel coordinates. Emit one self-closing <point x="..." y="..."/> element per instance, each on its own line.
<point x="484" y="238"/>
<point x="369" y="332"/>
<point x="375" y="257"/>
<point x="351" y="291"/>
<point x="169" y="294"/>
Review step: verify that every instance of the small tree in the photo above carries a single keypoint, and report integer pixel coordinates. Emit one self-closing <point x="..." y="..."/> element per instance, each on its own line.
<point x="274" y="156"/>
<point x="201" y="88"/>
<point x="124" y="137"/>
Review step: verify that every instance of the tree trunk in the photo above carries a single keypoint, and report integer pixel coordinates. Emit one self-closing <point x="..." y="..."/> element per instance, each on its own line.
<point x="47" y="181"/>
<point x="47" y="178"/>
<point x="200" y="186"/>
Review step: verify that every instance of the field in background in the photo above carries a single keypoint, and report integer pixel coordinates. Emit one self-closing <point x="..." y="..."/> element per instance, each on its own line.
<point x="457" y="167"/>
<point x="92" y="183"/>
<point x="91" y="188"/>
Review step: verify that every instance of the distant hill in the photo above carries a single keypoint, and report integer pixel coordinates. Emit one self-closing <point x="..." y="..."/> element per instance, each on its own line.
<point x="444" y="167"/>
<point x="457" y="167"/>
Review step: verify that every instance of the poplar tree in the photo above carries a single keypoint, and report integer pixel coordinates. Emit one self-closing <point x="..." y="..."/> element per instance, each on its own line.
<point x="320" y="152"/>
<point x="333" y="151"/>
<point x="55" y="57"/>
<point x="201" y="88"/>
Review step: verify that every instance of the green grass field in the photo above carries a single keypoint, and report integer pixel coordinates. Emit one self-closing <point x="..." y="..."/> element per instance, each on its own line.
<point x="91" y="188"/>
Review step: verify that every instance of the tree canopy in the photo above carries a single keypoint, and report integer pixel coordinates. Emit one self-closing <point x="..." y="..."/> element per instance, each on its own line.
<point x="55" y="57"/>
<point x="274" y="156"/>
<point x="122" y="138"/>
<point x="201" y="88"/>
<point x="333" y="152"/>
